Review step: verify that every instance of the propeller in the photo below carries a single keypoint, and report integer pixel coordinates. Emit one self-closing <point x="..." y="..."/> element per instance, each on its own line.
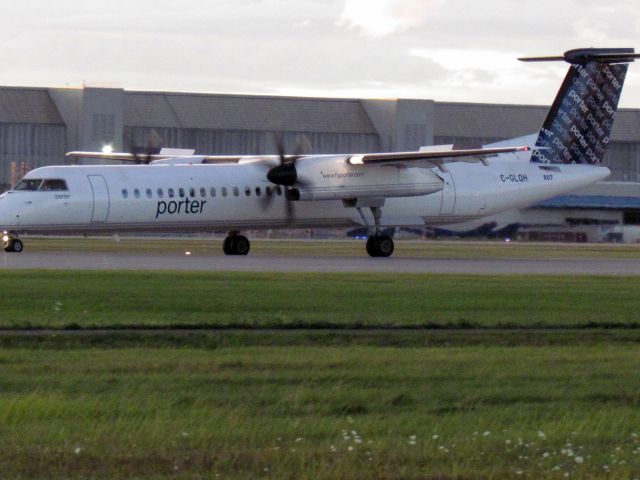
<point x="143" y="154"/>
<point x="286" y="174"/>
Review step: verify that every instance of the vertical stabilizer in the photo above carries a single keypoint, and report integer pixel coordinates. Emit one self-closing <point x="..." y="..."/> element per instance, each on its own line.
<point x="579" y="123"/>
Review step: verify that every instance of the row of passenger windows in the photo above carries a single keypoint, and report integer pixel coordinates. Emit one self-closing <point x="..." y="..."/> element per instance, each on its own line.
<point x="203" y="192"/>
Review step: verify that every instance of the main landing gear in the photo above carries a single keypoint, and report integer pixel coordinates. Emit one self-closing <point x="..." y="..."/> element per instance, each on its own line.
<point x="12" y="244"/>
<point x="378" y="245"/>
<point x="236" y="244"/>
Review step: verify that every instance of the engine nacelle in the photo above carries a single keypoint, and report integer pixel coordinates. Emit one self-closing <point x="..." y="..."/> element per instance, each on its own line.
<point x="334" y="178"/>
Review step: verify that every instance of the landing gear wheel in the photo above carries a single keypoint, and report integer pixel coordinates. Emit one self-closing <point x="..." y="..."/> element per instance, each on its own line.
<point x="13" y="245"/>
<point x="380" y="246"/>
<point x="236" y="245"/>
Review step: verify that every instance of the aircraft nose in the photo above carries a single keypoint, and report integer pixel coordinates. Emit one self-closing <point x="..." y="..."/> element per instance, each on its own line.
<point x="7" y="216"/>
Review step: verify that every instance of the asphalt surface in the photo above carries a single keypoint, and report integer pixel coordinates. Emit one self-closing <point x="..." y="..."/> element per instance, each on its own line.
<point x="203" y="263"/>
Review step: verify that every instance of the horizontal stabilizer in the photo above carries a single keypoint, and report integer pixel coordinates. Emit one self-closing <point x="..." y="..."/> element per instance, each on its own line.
<point x="581" y="56"/>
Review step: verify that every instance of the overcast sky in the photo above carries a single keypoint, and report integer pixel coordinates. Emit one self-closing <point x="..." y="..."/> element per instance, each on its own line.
<point x="447" y="50"/>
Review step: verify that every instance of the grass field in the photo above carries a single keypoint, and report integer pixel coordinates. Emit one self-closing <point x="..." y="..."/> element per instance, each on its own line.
<point x="51" y="299"/>
<point x="461" y="377"/>
<point x="288" y="247"/>
<point x="361" y="412"/>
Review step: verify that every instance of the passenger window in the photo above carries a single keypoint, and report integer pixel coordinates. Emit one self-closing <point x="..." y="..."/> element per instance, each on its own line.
<point x="30" y="184"/>
<point x="224" y="191"/>
<point x="149" y="193"/>
<point x="136" y="193"/>
<point x="160" y="193"/>
<point x="212" y="191"/>
<point x="247" y="191"/>
<point x="268" y="190"/>
<point x="203" y="192"/>
<point x="181" y="192"/>
<point x="170" y="192"/>
<point x="54" y="185"/>
<point x="236" y="191"/>
<point x="192" y="192"/>
<point x="125" y="193"/>
<point x="278" y="190"/>
<point x="258" y="191"/>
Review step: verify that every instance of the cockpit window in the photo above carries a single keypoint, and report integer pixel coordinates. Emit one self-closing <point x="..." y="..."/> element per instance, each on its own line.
<point x="53" y="185"/>
<point x="28" y="184"/>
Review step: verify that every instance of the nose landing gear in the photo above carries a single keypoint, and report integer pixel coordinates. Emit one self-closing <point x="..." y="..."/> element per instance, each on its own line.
<point x="12" y="244"/>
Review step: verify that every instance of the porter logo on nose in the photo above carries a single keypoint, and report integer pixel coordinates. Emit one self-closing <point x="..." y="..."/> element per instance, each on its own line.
<point x="173" y="207"/>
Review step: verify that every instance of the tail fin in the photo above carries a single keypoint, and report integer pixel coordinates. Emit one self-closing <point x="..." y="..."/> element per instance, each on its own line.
<point x="579" y="123"/>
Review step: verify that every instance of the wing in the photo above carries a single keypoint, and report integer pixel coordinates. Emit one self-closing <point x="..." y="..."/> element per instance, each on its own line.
<point x="155" y="158"/>
<point x="432" y="158"/>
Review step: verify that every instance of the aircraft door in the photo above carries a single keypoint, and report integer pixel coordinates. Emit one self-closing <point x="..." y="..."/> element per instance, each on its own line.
<point x="101" y="201"/>
<point x="448" y="204"/>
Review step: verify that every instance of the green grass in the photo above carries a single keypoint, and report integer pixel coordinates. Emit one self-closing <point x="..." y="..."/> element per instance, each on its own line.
<point x="331" y="248"/>
<point x="309" y="412"/>
<point x="48" y="299"/>
<point x="513" y="376"/>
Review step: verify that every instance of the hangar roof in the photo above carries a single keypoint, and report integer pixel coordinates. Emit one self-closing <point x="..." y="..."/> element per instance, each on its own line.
<point x="28" y="105"/>
<point x="478" y="120"/>
<point x="246" y="112"/>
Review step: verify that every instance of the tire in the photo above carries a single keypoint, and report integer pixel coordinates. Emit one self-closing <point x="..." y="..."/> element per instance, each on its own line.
<point x="380" y="246"/>
<point x="14" y="245"/>
<point x="242" y="245"/>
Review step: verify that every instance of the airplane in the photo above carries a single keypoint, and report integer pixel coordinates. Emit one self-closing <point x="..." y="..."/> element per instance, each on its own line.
<point x="182" y="192"/>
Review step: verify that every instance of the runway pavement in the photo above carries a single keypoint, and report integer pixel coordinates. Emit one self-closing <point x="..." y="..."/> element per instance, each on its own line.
<point x="204" y="263"/>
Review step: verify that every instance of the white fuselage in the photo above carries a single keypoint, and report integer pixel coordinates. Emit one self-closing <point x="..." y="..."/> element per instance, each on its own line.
<point x="96" y="202"/>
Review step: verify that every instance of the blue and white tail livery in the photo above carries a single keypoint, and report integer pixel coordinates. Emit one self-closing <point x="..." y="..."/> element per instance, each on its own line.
<point x="179" y="192"/>
<point x="578" y="126"/>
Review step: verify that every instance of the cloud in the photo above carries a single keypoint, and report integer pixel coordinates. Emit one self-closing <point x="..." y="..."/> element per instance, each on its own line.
<point x="384" y="17"/>
<point x="454" y="50"/>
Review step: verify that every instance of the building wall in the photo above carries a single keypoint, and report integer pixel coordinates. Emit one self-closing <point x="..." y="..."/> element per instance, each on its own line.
<point x="623" y="159"/>
<point x="24" y="147"/>
<point x="250" y="142"/>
